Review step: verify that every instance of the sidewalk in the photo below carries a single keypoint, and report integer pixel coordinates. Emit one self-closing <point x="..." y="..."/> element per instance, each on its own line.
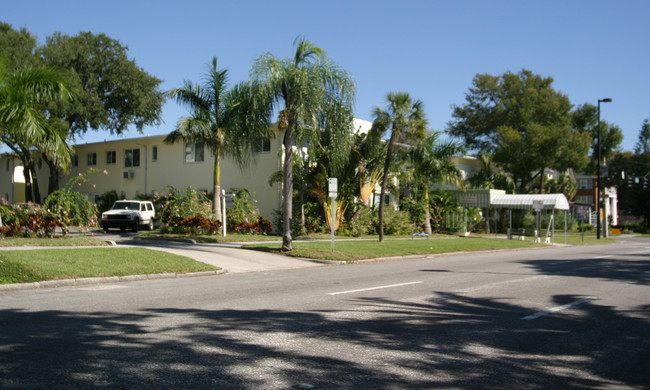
<point x="235" y="260"/>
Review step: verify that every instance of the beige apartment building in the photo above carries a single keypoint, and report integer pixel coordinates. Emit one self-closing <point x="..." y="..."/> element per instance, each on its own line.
<point x="146" y="165"/>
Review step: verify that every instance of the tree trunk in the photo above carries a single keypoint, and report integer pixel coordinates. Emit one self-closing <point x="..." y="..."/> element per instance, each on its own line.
<point x="384" y="184"/>
<point x="28" y="184"/>
<point x="541" y="181"/>
<point x="53" y="180"/>
<point x="287" y="187"/>
<point x="35" y="189"/>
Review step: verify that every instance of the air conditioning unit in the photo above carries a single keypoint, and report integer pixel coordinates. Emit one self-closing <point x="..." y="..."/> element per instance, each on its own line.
<point x="129" y="174"/>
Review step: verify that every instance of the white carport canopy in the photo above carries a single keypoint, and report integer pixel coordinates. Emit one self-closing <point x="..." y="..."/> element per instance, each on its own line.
<point x="549" y="201"/>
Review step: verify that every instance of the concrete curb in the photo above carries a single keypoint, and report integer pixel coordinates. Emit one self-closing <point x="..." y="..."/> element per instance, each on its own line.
<point x="102" y="280"/>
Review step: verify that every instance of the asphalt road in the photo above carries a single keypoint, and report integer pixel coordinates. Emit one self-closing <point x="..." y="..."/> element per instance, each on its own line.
<point x="575" y="317"/>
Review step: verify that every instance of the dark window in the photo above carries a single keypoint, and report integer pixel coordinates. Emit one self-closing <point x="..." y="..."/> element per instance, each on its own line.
<point x="194" y="152"/>
<point x="111" y="157"/>
<point x="154" y="153"/>
<point x="132" y="158"/>
<point x="263" y="146"/>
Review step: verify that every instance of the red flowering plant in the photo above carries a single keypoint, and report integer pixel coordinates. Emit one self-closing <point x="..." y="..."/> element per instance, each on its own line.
<point x="186" y="213"/>
<point x="245" y="217"/>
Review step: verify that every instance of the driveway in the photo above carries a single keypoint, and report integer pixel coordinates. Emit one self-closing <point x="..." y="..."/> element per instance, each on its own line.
<point x="228" y="256"/>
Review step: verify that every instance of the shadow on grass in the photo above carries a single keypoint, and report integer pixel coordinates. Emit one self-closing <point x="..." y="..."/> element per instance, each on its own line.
<point x="448" y="341"/>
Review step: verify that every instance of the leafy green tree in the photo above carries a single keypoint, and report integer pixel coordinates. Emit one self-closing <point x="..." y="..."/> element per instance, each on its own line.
<point x="405" y="120"/>
<point x="523" y="122"/>
<point x="432" y="162"/>
<point x="23" y="123"/>
<point x="585" y="120"/>
<point x="221" y="119"/>
<point x="113" y="92"/>
<point x="642" y="145"/>
<point x="312" y="94"/>
<point x="563" y="184"/>
<point x="490" y="176"/>
<point x="629" y="173"/>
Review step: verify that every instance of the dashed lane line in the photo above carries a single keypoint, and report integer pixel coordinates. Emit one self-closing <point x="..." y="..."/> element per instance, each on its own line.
<point x="374" y="288"/>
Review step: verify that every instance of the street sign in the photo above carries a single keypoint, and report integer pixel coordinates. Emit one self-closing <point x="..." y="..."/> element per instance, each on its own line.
<point x="230" y="203"/>
<point x="332" y="187"/>
<point x="538" y="205"/>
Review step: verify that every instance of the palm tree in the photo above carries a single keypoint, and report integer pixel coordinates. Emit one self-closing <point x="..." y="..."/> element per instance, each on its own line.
<point x="407" y="124"/>
<point x="311" y="93"/>
<point x="221" y="119"/>
<point x="432" y="163"/>
<point x="491" y="177"/>
<point x="23" y="121"/>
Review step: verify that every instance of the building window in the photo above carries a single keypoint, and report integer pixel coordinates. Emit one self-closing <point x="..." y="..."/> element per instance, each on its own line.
<point x="194" y="152"/>
<point x="111" y="157"/>
<point x="263" y="146"/>
<point x="74" y="160"/>
<point x="132" y="158"/>
<point x="92" y="159"/>
<point x="584" y="199"/>
<point x="154" y="153"/>
<point x="585" y="184"/>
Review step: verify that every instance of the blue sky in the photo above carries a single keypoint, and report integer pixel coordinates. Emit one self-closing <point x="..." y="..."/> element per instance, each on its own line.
<point x="431" y="49"/>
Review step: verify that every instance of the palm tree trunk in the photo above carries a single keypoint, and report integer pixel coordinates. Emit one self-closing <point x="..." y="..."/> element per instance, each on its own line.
<point x="216" y="197"/>
<point x="28" y="184"/>
<point x="384" y="184"/>
<point x="287" y="187"/>
<point x="35" y="189"/>
<point x="427" y="212"/>
<point x="53" y="180"/>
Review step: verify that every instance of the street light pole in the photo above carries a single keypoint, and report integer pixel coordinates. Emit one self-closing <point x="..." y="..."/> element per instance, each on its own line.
<point x="598" y="202"/>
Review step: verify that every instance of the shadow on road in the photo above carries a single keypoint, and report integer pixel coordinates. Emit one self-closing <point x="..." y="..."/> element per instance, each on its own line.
<point x="448" y="341"/>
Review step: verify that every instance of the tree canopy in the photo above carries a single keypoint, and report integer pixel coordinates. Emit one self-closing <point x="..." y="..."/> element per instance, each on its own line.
<point x="523" y="123"/>
<point x="404" y="118"/>
<point x="311" y="93"/>
<point x="221" y="119"/>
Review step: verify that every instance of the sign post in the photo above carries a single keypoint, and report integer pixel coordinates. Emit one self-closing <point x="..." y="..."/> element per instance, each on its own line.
<point x="538" y="205"/>
<point x="332" y="188"/>
<point x="227" y="202"/>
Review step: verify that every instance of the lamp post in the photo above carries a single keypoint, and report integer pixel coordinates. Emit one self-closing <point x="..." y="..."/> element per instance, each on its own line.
<point x="598" y="202"/>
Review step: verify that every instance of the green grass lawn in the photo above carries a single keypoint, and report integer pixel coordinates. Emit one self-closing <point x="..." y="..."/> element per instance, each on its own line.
<point x="55" y="241"/>
<point x="369" y="249"/>
<point x="23" y="266"/>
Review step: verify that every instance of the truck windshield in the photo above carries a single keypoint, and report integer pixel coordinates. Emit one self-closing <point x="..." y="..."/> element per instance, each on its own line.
<point x="126" y="206"/>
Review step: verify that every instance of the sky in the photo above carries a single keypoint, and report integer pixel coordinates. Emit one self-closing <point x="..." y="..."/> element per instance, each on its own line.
<point x="431" y="49"/>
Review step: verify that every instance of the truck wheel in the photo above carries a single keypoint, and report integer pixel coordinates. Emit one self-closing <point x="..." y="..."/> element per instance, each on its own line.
<point x="150" y="225"/>
<point x="105" y="228"/>
<point x="136" y="224"/>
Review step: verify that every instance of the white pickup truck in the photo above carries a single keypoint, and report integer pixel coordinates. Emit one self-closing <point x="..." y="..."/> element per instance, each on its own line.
<point x="129" y="214"/>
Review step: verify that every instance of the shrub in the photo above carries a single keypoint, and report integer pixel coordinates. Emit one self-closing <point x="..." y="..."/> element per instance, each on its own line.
<point x="106" y="200"/>
<point x="363" y="224"/>
<point x="26" y="220"/>
<point x="396" y="222"/>
<point x="186" y="213"/>
<point x="261" y="226"/>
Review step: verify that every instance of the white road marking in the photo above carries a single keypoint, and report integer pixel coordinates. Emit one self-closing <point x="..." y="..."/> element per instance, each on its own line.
<point x="603" y="257"/>
<point x="557" y="308"/>
<point x="566" y="261"/>
<point x="373" y="288"/>
<point x="637" y="252"/>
